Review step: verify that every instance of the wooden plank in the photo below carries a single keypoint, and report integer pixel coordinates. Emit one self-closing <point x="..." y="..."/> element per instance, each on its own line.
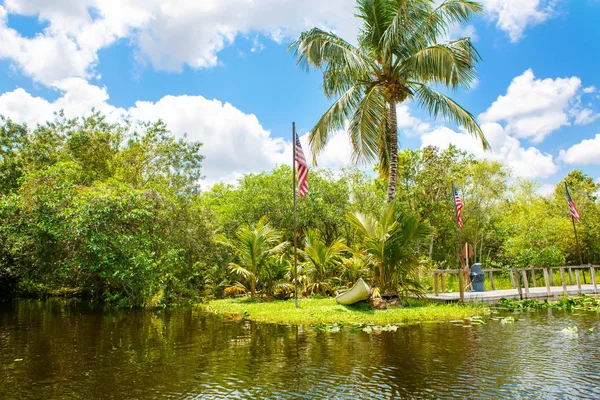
<point x="461" y="287"/>
<point x="516" y="274"/>
<point x="593" y="278"/>
<point x="564" y="282"/>
<point x="435" y="283"/>
<point x="551" y="272"/>
<point x="492" y="280"/>
<point x="443" y="279"/>
<point x="512" y="279"/>
<point x="525" y="283"/>
<point x="570" y="276"/>
<point x="578" y="282"/>
<point x="533" y="280"/>
<point x="547" y="280"/>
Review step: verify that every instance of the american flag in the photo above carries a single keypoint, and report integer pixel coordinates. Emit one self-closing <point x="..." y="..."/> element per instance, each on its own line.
<point x="572" y="207"/>
<point x="459" y="206"/>
<point x="302" y="169"/>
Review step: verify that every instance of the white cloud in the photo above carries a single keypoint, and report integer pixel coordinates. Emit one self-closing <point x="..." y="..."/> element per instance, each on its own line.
<point x="527" y="163"/>
<point x="409" y="125"/>
<point x="589" y="90"/>
<point x="167" y="34"/>
<point x="585" y="152"/>
<point x="533" y="108"/>
<point x="585" y="116"/>
<point x="514" y="16"/>
<point x="234" y="142"/>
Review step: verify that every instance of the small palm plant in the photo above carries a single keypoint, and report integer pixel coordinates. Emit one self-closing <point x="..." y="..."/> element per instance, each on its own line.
<point x="391" y="245"/>
<point x="321" y="261"/>
<point x="254" y="247"/>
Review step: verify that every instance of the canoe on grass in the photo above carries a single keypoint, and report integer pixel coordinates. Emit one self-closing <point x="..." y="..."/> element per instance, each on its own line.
<point x="360" y="291"/>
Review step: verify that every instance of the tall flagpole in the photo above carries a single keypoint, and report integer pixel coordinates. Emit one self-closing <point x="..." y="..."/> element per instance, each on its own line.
<point x="294" y="189"/>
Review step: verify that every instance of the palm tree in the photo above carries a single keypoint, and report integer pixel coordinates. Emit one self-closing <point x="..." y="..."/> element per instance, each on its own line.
<point x="321" y="260"/>
<point x="253" y="248"/>
<point x="391" y="243"/>
<point x="397" y="59"/>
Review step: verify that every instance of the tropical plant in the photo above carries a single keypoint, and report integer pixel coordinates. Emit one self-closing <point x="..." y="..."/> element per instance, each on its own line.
<point x="391" y="244"/>
<point x="321" y="260"/>
<point x="253" y="246"/>
<point x="397" y="59"/>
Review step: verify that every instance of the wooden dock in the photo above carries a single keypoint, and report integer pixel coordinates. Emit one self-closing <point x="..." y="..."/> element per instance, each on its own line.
<point x="523" y="282"/>
<point x="492" y="296"/>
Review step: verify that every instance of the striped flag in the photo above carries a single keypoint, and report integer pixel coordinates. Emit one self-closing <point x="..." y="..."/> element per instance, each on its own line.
<point x="572" y="207"/>
<point x="302" y="169"/>
<point x="459" y="206"/>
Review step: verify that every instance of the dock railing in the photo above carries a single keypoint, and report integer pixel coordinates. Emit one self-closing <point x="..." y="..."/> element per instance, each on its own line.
<point x="521" y="281"/>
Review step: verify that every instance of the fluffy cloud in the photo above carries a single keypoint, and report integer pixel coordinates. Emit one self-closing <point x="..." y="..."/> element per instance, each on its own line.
<point x="234" y="142"/>
<point x="527" y="163"/>
<point x="585" y="152"/>
<point x="533" y="108"/>
<point x="168" y="35"/>
<point x="514" y="16"/>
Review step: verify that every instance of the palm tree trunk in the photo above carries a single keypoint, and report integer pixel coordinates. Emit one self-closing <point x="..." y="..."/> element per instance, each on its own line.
<point x="393" y="132"/>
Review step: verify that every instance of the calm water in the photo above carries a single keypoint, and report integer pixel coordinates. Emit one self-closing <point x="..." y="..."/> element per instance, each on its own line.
<point x="68" y="351"/>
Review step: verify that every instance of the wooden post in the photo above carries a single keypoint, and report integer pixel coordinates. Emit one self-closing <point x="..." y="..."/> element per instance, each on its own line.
<point x="547" y="280"/>
<point x="443" y="279"/>
<point x="551" y="271"/>
<point x="435" y="284"/>
<point x="570" y="276"/>
<point x="492" y="280"/>
<point x="593" y="278"/>
<point x="533" y="280"/>
<point x="578" y="281"/>
<point x="518" y="283"/>
<point x="512" y="279"/>
<point x="525" y="283"/>
<point x="564" y="282"/>
<point x="461" y="287"/>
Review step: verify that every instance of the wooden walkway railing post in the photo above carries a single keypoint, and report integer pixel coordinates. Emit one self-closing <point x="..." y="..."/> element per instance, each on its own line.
<point x="547" y="281"/>
<point x="525" y="283"/>
<point x="492" y="280"/>
<point x="435" y="283"/>
<point x="512" y="279"/>
<point x="578" y="282"/>
<point x="461" y="287"/>
<point x="443" y="282"/>
<point x="563" y="280"/>
<point x="515" y="274"/>
<point x="593" y="277"/>
<point x="533" y="280"/>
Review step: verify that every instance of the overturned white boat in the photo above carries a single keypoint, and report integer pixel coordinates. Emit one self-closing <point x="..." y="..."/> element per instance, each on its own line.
<point x="360" y="291"/>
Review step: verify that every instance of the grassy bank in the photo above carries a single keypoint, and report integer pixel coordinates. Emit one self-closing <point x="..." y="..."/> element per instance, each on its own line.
<point x="314" y="311"/>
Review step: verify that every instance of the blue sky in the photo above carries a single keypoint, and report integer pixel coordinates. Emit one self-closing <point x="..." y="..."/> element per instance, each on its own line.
<point x="220" y="71"/>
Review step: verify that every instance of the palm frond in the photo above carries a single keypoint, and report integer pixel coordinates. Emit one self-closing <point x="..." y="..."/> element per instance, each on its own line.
<point x="451" y="64"/>
<point x="366" y="124"/>
<point x="437" y="104"/>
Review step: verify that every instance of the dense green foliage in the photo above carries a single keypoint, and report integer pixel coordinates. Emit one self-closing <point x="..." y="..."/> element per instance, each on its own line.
<point x="115" y="212"/>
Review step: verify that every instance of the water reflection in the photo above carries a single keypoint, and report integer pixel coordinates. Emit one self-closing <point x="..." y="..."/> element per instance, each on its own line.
<point x="66" y="349"/>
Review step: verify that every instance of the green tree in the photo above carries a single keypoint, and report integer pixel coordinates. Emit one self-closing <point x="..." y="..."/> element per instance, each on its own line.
<point x="253" y="247"/>
<point x="321" y="261"/>
<point x="391" y="243"/>
<point x="398" y="58"/>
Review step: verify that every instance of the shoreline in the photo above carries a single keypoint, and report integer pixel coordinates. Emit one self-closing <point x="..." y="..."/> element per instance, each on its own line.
<point x="327" y="311"/>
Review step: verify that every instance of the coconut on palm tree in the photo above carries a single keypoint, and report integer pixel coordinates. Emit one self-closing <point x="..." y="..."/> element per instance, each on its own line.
<point x="399" y="58"/>
<point x="391" y="244"/>
<point x="254" y="247"/>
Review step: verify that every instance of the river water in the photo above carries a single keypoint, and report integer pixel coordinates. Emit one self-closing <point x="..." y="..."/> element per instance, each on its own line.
<point x="56" y="349"/>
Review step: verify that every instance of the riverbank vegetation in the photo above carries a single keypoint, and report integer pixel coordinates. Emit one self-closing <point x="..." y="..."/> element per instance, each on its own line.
<point x="115" y="212"/>
<point x="327" y="311"/>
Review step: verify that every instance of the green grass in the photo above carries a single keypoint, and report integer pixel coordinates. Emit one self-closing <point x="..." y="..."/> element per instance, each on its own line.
<point x="327" y="311"/>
